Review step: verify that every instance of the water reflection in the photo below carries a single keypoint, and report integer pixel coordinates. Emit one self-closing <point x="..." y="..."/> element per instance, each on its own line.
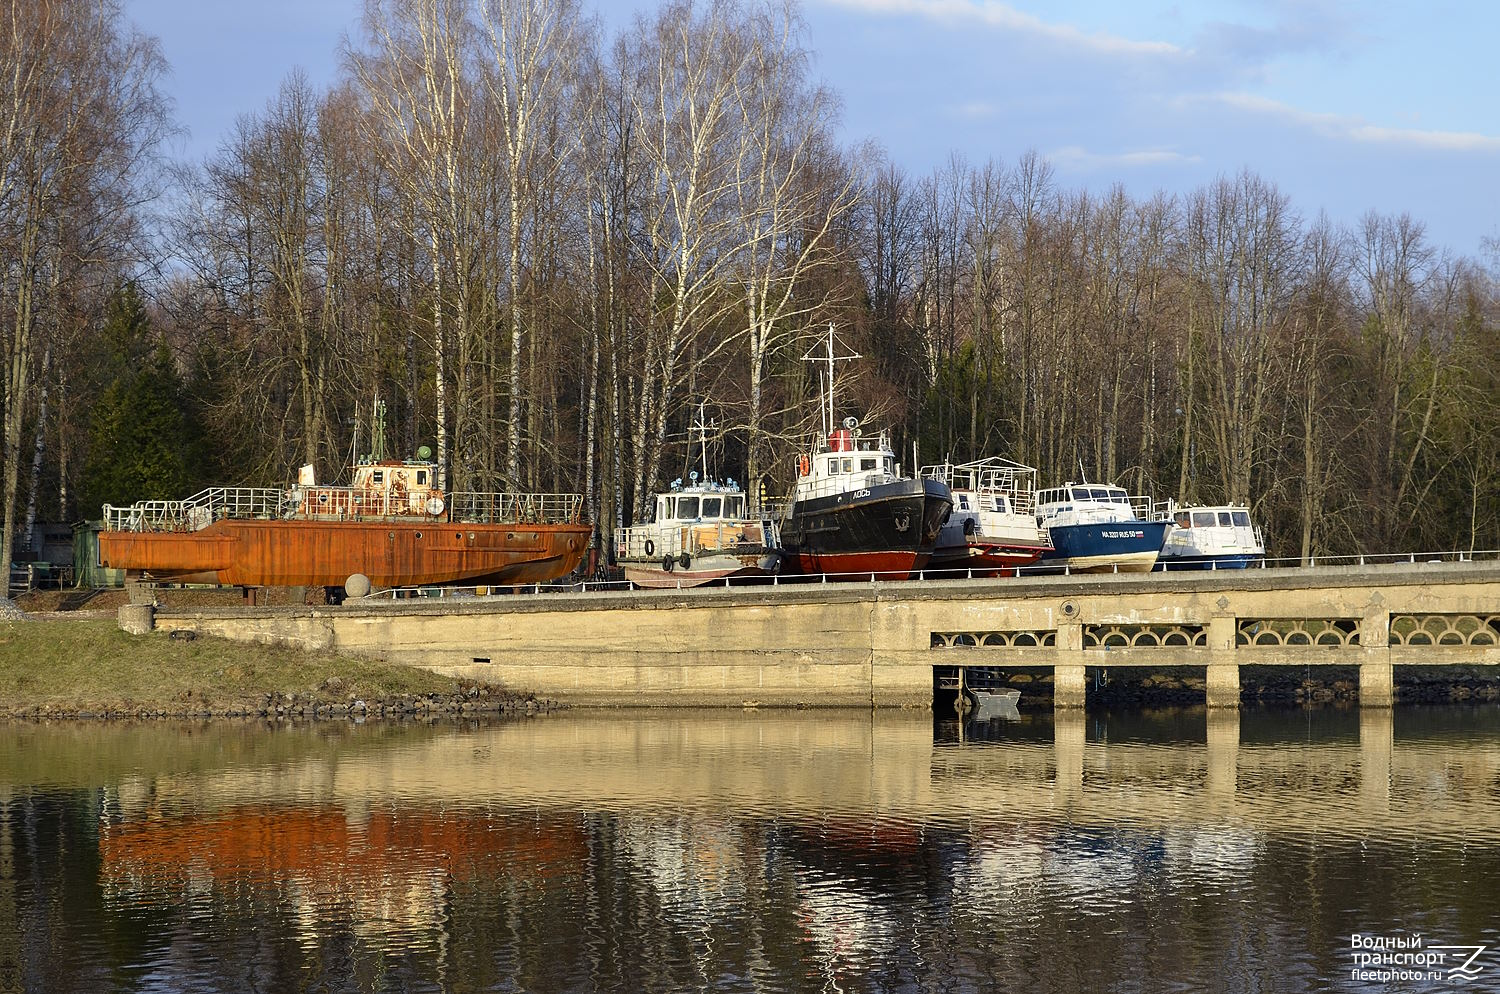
<point x="745" y="851"/>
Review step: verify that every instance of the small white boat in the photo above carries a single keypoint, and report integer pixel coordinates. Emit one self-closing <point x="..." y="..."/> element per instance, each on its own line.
<point x="992" y="529"/>
<point x="700" y="534"/>
<point x="1219" y="537"/>
<point x="995" y="704"/>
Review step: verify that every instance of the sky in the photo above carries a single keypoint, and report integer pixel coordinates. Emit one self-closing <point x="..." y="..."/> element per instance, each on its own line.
<point x="1347" y="106"/>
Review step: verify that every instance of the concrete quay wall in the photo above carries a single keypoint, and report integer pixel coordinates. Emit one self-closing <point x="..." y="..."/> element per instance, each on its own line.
<point x="864" y="644"/>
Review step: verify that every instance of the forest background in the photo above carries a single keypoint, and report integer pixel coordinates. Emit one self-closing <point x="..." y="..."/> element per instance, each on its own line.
<point x="542" y="248"/>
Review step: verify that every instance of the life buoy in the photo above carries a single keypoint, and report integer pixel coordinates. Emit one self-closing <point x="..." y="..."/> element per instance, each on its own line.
<point x="650" y="547"/>
<point x="804" y="465"/>
<point x="434" y="506"/>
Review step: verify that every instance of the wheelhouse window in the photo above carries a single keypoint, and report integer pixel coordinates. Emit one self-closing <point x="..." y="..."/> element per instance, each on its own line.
<point x="1225" y="520"/>
<point x="867" y="465"/>
<point x="713" y="507"/>
<point x="421" y="477"/>
<point x="378" y="478"/>
<point x="687" y="507"/>
<point x="1242" y="519"/>
<point x="1182" y="519"/>
<point x="734" y="507"/>
<point x="1203" y="519"/>
<point x="833" y="466"/>
<point x="889" y="467"/>
<point x="663" y="508"/>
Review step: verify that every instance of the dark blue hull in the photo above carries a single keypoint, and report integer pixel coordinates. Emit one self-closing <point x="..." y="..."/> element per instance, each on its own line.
<point x="1111" y="547"/>
<point x="1237" y="560"/>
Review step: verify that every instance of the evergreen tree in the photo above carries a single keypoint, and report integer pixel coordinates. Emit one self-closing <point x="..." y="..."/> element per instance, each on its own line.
<point x="140" y="440"/>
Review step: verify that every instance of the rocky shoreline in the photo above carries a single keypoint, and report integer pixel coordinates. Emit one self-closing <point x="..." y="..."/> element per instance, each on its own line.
<point x="467" y="700"/>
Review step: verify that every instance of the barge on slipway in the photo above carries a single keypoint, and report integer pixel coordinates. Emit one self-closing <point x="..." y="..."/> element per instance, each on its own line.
<point x="393" y="524"/>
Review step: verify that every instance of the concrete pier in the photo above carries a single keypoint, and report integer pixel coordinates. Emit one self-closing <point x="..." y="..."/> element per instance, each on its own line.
<point x="881" y="644"/>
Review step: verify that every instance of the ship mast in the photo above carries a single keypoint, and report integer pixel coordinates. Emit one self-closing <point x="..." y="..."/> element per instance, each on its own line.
<point x="702" y="427"/>
<point x="826" y="409"/>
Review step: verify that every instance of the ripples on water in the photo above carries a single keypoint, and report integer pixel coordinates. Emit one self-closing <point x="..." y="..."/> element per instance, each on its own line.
<point x="747" y="852"/>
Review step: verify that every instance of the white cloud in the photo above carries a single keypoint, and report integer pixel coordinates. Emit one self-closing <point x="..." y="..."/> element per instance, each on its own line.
<point x="1355" y="129"/>
<point x="1000" y="15"/>
<point x="1078" y="158"/>
<point x="974" y="110"/>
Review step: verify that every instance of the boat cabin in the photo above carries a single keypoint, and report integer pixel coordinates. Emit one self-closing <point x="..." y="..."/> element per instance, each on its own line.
<point x="1212" y="517"/>
<point x="700" y="505"/>
<point x="380" y="489"/>
<point x="1223" y="536"/>
<point x="846" y="462"/>
<point x="1088" y="503"/>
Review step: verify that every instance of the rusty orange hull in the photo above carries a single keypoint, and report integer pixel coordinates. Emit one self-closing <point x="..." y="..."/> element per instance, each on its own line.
<point x="255" y="553"/>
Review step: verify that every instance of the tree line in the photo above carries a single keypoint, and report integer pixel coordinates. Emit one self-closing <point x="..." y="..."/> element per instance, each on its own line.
<point x="543" y="247"/>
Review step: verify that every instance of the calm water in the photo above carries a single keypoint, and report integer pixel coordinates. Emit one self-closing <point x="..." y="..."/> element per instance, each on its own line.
<point x="750" y="852"/>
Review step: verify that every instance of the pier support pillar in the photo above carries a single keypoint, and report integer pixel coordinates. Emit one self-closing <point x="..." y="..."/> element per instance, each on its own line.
<point x="1223" y="737"/>
<point x="1223" y="685"/>
<point x="1377" y="683"/>
<point x="1069" y="687"/>
<point x="1377" y="680"/>
<point x="1068" y="737"/>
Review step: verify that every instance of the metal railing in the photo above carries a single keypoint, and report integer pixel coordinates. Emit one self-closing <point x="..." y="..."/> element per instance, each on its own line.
<point x="198" y="511"/>
<point x="215" y="504"/>
<point x="959" y="575"/>
<point x="506" y="508"/>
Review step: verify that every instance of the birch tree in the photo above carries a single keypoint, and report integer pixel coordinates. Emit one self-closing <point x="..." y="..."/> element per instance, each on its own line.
<point x="81" y="120"/>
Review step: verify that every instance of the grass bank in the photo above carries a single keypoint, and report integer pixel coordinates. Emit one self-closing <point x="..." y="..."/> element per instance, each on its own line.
<point x="90" y="668"/>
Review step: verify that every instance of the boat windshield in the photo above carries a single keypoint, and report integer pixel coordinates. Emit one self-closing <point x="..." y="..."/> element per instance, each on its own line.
<point x="1242" y="519"/>
<point x="1203" y="519"/>
<point x="734" y="507"/>
<point x="687" y="507"/>
<point x="713" y="507"/>
<point x="1183" y="520"/>
<point x="1224" y="519"/>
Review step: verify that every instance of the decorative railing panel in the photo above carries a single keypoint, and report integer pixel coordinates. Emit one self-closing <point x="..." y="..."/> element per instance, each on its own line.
<point x="1445" y="629"/>
<point x="1030" y="639"/>
<point x="1262" y="632"/>
<point x="1143" y="636"/>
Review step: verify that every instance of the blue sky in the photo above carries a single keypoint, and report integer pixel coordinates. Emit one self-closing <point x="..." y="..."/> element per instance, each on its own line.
<point x="1347" y="106"/>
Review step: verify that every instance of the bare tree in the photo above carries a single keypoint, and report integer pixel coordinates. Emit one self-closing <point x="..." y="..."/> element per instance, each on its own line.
<point x="80" y="121"/>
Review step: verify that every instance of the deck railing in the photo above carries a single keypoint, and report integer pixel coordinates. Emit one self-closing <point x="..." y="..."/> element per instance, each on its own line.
<point x="204" y="508"/>
<point x="198" y="511"/>
<point x="688" y="536"/>
<point x="493" y="508"/>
